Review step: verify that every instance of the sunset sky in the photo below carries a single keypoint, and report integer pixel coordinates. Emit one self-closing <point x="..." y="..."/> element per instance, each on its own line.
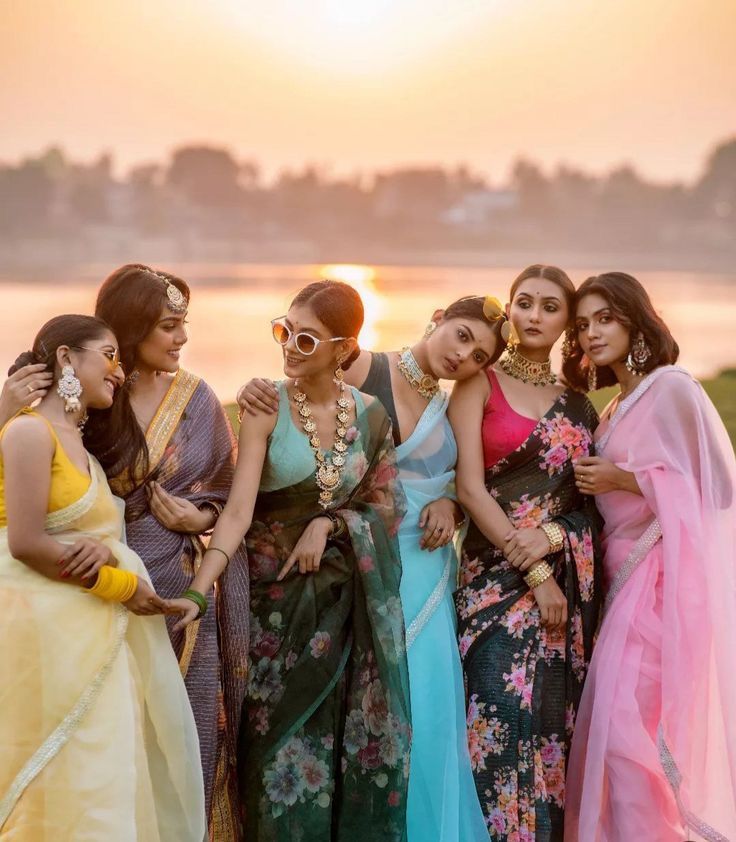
<point x="363" y="84"/>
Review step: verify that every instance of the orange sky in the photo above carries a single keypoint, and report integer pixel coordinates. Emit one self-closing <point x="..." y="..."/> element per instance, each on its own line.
<point x="371" y="83"/>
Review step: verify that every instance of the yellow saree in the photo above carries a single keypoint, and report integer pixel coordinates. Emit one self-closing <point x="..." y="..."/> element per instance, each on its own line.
<point x="97" y="737"/>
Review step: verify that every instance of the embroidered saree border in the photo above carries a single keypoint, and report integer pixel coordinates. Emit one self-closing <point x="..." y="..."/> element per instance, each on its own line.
<point x="58" y="738"/>
<point x="641" y="549"/>
<point x="168" y="415"/>
<point x="430" y="606"/>
<point x="672" y="773"/>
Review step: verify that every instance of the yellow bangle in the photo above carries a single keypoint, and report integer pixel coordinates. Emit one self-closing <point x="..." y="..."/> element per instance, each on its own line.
<point x="114" y="585"/>
<point x="555" y="536"/>
<point x="538" y="574"/>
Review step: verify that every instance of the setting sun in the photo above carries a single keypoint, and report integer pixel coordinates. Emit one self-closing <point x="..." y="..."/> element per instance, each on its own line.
<point x="360" y="278"/>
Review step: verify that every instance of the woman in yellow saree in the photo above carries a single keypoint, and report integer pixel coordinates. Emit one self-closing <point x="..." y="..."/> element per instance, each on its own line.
<point x="97" y="737"/>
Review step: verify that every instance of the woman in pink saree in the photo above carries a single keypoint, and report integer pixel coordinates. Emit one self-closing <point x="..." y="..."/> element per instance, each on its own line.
<point x="654" y="750"/>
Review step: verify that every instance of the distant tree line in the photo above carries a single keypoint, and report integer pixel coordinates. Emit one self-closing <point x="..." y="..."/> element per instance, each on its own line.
<point x="205" y="194"/>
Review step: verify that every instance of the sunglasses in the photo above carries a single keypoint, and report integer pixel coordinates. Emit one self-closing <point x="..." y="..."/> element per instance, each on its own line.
<point x="113" y="356"/>
<point x="305" y="343"/>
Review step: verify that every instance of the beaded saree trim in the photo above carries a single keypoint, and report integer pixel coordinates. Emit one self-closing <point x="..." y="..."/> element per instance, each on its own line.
<point x="643" y="546"/>
<point x="672" y="773"/>
<point x="58" y="738"/>
<point x="430" y="606"/>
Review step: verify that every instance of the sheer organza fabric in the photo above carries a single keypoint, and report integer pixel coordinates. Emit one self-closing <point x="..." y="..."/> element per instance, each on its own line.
<point x="654" y="751"/>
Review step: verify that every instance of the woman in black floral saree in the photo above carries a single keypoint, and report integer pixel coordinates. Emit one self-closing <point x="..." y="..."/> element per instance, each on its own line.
<point x="325" y="734"/>
<point x="528" y="601"/>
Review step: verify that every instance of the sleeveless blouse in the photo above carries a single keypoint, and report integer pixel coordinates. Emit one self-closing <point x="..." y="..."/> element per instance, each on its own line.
<point x="290" y="458"/>
<point x="503" y="429"/>
<point x="378" y="384"/>
<point x="68" y="482"/>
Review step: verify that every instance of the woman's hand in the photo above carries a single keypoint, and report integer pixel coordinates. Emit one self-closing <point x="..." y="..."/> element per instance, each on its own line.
<point x="552" y="604"/>
<point x="595" y="475"/>
<point x="176" y="513"/>
<point x="145" y="601"/>
<point x="84" y="558"/>
<point x="438" y="521"/>
<point x="188" y="610"/>
<point x="27" y="385"/>
<point x="525" y="547"/>
<point x="258" y="395"/>
<point x="309" y="548"/>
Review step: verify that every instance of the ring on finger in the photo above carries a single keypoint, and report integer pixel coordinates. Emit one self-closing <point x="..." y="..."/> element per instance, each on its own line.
<point x="30" y="388"/>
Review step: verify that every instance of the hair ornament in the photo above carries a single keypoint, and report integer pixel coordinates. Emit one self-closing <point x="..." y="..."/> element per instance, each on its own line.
<point x="493" y="311"/>
<point x="177" y="301"/>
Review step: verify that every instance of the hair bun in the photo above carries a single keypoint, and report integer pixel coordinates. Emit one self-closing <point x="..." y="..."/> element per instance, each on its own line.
<point x="26" y="358"/>
<point x="352" y="358"/>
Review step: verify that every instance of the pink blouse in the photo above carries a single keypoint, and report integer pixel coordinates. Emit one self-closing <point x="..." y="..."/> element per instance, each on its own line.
<point x="503" y="430"/>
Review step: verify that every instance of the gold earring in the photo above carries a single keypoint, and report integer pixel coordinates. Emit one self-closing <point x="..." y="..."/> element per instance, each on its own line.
<point x="339" y="373"/>
<point x="592" y="377"/>
<point x="568" y="345"/>
<point x="430" y="329"/>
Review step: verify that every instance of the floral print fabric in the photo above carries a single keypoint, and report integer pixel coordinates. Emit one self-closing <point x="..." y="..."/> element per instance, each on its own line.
<point x="523" y="682"/>
<point x="325" y="734"/>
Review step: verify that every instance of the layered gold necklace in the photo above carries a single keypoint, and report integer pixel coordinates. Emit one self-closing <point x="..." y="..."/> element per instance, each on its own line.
<point x="329" y="465"/>
<point x="425" y="384"/>
<point x="528" y="371"/>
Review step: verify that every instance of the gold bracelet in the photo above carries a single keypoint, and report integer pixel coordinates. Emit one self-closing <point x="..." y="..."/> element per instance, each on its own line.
<point x="538" y="574"/>
<point x="555" y="536"/>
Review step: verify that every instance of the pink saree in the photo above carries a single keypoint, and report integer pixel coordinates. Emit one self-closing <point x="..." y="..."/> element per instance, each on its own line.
<point x="654" y="750"/>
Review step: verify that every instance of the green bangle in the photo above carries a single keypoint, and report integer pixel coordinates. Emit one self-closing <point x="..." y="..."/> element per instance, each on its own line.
<point x="199" y="599"/>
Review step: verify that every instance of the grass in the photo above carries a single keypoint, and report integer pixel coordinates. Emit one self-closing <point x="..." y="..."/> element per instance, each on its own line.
<point x="721" y="390"/>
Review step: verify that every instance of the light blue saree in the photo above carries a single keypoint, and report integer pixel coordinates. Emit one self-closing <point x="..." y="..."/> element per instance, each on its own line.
<point x="442" y="803"/>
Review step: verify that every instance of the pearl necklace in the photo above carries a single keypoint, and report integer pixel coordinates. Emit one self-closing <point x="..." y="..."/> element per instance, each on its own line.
<point x="329" y="476"/>
<point x="528" y="371"/>
<point x="425" y="384"/>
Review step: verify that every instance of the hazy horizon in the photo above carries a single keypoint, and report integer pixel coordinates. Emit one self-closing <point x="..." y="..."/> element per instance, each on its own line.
<point x="360" y="88"/>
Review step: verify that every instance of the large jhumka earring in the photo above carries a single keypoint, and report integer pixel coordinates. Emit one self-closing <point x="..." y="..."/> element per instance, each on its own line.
<point x="639" y="356"/>
<point x="69" y="388"/>
<point x="592" y="376"/>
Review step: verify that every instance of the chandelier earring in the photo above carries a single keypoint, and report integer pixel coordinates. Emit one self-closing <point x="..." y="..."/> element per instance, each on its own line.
<point x="339" y="372"/>
<point x="639" y="356"/>
<point x="568" y="346"/>
<point x="430" y="329"/>
<point x="592" y="377"/>
<point x="69" y="388"/>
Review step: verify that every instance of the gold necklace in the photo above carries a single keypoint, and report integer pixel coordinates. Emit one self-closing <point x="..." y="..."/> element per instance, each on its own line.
<point x="329" y="476"/>
<point x="425" y="384"/>
<point x="528" y="371"/>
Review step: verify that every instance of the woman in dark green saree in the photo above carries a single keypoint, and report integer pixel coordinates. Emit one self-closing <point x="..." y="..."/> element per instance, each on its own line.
<point x="325" y="734"/>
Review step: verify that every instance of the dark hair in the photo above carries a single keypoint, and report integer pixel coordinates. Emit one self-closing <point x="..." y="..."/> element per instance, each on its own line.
<point x="338" y="306"/>
<point x="632" y="307"/>
<point x="130" y="300"/>
<point x="68" y="330"/>
<point x="549" y="273"/>
<point x="471" y="307"/>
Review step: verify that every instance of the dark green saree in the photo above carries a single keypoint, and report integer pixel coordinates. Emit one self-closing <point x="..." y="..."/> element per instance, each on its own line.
<point x="325" y="734"/>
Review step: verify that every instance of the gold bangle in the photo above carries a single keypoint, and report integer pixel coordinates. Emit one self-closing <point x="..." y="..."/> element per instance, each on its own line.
<point x="555" y="536"/>
<point x="114" y="585"/>
<point x="538" y="574"/>
<point x="218" y="550"/>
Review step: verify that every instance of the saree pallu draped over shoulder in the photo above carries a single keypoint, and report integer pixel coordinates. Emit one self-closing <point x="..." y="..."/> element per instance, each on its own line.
<point x="325" y="737"/>
<point x="97" y="737"/>
<point x="654" y="753"/>
<point x="523" y="682"/>
<point x="191" y="455"/>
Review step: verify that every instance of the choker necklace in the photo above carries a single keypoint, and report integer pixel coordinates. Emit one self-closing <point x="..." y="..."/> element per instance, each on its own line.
<point x="528" y="371"/>
<point x="425" y="384"/>
<point x="329" y="465"/>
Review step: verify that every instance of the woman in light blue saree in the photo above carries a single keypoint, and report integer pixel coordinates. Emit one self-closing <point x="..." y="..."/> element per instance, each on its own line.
<point x="442" y="803"/>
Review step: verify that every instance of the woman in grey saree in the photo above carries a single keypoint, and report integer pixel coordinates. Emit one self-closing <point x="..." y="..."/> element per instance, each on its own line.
<point x="174" y="474"/>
